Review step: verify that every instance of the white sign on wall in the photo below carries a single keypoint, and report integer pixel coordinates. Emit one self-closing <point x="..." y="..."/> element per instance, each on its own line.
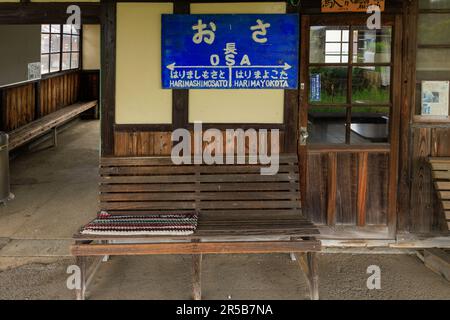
<point x="34" y="70"/>
<point x="435" y="98"/>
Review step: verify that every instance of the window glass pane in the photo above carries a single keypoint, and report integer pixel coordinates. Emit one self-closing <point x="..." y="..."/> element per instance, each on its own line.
<point x="75" y="43"/>
<point x="55" y="28"/>
<point x="74" y="30"/>
<point x="434" y="29"/>
<point x="55" y="42"/>
<point x="327" y="125"/>
<point x="433" y="60"/>
<point x="45" y="43"/>
<point x="371" y="85"/>
<point x="45" y="28"/>
<point x="328" y="85"/>
<point x="369" y="125"/>
<point x="54" y="62"/>
<point x="66" y="43"/>
<point x="74" y="61"/>
<point x="434" y="4"/>
<point x="326" y="42"/>
<point x="67" y="28"/>
<point x="44" y="63"/>
<point x="372" y="46"/>
<point x="65" y="61"/>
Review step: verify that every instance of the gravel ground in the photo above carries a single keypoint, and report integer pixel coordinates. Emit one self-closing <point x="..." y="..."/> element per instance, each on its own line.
<point x="342" y="276"/>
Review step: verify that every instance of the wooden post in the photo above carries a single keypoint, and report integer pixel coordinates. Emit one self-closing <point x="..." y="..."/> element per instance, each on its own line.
<point x="81" y="291"/>
<point x="196" y="276"/>
<point x="308" y="263"/>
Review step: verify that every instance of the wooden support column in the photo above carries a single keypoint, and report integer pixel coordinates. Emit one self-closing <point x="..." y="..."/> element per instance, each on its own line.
<point x="180" y="97"/>
<point x="108" y="76"/>
<point x="81" y="291"/>
<point x="196" y="276"/>
<point x="308" y="263"/>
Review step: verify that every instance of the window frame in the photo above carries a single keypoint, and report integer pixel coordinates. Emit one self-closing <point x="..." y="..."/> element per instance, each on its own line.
<point x="428" y="75"/>
<point x="73" y="33"/>
<point x="350" y="65"/>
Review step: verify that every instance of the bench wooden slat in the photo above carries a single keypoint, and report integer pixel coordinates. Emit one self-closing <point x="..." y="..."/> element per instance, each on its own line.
<point x="266" y="186"/>
<point x="196" y="248"/>
<point x="161" y="170"/>
<point x="441" y="185"/>
<point x="280" y="213"/>
<point x="40" y="126"/>
<point x="178" y="196"/>
<point x="441" y="174"/>
<point x="213" y="178"/>
<point x="141" y="205"/>
<point x="445" y="195"/>
<point x="151" y="161"/>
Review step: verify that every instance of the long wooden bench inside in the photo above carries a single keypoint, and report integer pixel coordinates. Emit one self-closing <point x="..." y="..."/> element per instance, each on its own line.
<point x="441" y="177"/>
<point x="47" y="123"/>
<point x="240" y="211"/>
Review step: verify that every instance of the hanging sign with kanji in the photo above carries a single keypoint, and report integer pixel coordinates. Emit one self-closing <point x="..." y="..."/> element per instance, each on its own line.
<point x="230" y="51"/>
<point x="350" y="5"/>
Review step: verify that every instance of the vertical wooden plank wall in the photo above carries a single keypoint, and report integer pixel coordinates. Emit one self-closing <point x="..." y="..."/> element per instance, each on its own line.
<point x="24" y="103"/>
<point x="348" y="187"/>
<point x="426" y="214"/>
<point x="18" y="106"/>
<point x="58" y="92"/>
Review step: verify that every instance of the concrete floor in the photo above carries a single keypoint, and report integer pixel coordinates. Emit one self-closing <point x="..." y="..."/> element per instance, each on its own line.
<point x="56" y="192"/>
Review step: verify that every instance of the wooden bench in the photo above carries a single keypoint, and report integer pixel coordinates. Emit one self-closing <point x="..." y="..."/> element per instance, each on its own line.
<point x="47" y="123"/>
<point x="441" y="176"/>
<point x="240" y="211"/>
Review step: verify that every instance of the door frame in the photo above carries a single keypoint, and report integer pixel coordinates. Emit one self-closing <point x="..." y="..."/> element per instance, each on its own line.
<point x="391" y="148"/>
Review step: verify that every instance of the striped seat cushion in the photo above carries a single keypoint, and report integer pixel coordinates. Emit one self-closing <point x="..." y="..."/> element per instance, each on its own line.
<point x="155" y="224"/>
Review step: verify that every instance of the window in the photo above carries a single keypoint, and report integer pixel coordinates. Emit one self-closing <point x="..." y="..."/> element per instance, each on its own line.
<point x="60" y="48"/>
<point x="350" y="85"/>
<point x="433" y="53"/>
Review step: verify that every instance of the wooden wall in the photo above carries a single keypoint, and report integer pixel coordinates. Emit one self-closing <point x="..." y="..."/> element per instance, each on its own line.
<point x="426" y="214"/>
<point x="156" y="143"/>
<point x="24" y="103"/>
<point x="58" y="92"/>
<point x="18" y="106"/>
<point x="347" y="188"/>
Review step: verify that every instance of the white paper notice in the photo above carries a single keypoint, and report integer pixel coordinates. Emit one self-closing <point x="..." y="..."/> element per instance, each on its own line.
<point x="435" y="98"/>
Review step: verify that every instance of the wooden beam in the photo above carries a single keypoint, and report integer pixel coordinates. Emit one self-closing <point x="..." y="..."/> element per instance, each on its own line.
<point x="197" y="276"/>
<point x="44" y="13"/>
<point x="438" y="261"/>
<point x="195" y="248"/>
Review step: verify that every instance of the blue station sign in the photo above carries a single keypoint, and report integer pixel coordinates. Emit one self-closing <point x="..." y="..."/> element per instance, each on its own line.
<point x="230" y="51"/>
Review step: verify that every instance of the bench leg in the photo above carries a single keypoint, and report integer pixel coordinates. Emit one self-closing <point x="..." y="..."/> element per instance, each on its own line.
<point x="308" y="263"/>
<point x="55" y="137"/>
<point x="105" y="257"/>
<point x="196" y="276"/>
<point x="81" y="291"/>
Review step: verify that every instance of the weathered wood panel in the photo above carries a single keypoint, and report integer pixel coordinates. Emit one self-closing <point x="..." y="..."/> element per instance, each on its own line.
<point x="377" y="189"/>
<point x="18" y="106"/>
<point x="154" y="143"/>
<point x="347" y="187"/>
<point x="426" y="214"/>
<point x="58" y="92"/>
